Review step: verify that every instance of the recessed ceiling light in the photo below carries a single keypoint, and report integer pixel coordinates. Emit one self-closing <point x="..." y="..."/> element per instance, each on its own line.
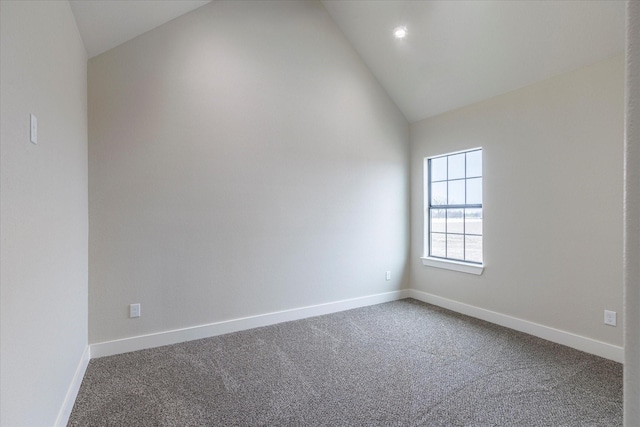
<point x="400" y="32"/>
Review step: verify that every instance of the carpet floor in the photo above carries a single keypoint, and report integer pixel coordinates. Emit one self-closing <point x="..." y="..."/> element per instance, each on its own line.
<point x="403" y="363"/>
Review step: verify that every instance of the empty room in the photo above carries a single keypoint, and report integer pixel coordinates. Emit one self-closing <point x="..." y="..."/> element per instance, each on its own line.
<point x="305" y="212"/>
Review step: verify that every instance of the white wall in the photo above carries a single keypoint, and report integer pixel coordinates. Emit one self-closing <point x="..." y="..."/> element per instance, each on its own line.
<point x="243" y="160"/>
<point x="552" y="201"/>
<point x="43" y="209"/>
<point x="632" y="220"/>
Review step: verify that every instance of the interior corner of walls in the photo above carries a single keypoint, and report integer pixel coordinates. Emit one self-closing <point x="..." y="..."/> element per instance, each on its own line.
<point x="77" y="30"/>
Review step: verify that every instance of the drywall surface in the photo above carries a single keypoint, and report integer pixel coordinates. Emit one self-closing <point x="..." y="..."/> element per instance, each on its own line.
<point x="243" y="160"/>
<point x="44" y="230"/>
<point x="552" y="199"/>
<point x="632" y="220"/>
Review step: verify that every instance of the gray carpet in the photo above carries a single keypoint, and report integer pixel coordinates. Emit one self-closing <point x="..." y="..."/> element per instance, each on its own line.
<point x="403" y="363"/>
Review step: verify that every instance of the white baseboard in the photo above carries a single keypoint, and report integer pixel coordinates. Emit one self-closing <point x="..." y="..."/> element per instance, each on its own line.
<point x="108" y="348"/>
<point x="175" y="336"/>
<point x="588" y="345"/>
<point x="74" y="387"/>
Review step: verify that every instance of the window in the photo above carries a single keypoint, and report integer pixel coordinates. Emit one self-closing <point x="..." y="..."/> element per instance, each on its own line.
<point x="454" y="208"/>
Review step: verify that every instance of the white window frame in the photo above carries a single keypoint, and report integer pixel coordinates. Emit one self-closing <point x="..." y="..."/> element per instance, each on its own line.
<point x="437" y="262"/>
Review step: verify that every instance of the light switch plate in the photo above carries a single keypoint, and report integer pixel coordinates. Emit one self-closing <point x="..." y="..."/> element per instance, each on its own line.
<point x="34" y="129"/>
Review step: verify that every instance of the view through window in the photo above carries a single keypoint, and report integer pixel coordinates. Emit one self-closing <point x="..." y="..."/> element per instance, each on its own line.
<point x="454" y="212"/>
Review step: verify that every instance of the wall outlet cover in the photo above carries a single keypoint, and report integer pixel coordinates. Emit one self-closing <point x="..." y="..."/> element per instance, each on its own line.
<point x="134" y="310"/>
<point x="610" y="318"/>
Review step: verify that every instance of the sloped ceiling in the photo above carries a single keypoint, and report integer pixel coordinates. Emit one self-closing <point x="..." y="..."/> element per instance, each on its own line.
<point x="461" y="52"/>
<point x="104" y="24"/>
<point x="457" y="52"/>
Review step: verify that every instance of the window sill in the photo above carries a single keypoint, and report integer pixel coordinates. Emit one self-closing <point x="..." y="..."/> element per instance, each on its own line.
<point x="462" y="267"/>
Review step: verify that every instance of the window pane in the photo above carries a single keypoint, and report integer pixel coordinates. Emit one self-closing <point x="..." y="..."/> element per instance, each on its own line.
<point x="439" y="193"/>
<point x="438" y="242"/>
<point x="474" y="163"/>
<point x="456" y="166"/>
<point x="456" y="192"/>
<point x="455" y="246"/>
<point x="438" y="218"/>
<point x="455" y="227"/>
<point x="474" y="191"/>
<point x="473" y="248"/>
<point x="473" y="221"/>
<point x="455" y="221"/>
<point x="438" y="169"/>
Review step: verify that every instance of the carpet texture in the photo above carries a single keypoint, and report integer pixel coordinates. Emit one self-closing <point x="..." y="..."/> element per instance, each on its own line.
<point x="403" y="363"/>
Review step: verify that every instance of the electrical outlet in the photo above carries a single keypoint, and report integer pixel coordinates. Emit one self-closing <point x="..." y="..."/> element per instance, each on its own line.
<point x="610" y="318"/>
<point x="134" y="310"/>
<point x="388" y="275"/>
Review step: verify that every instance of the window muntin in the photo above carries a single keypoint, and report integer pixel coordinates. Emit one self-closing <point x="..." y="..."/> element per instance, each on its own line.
<point x="454" y="212"/>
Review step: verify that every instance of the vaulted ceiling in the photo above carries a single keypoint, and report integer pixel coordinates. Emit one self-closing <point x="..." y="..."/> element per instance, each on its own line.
<point x="456" y="52"/>
<point x="104" y="24"/>
<point x="460" y="52"/>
